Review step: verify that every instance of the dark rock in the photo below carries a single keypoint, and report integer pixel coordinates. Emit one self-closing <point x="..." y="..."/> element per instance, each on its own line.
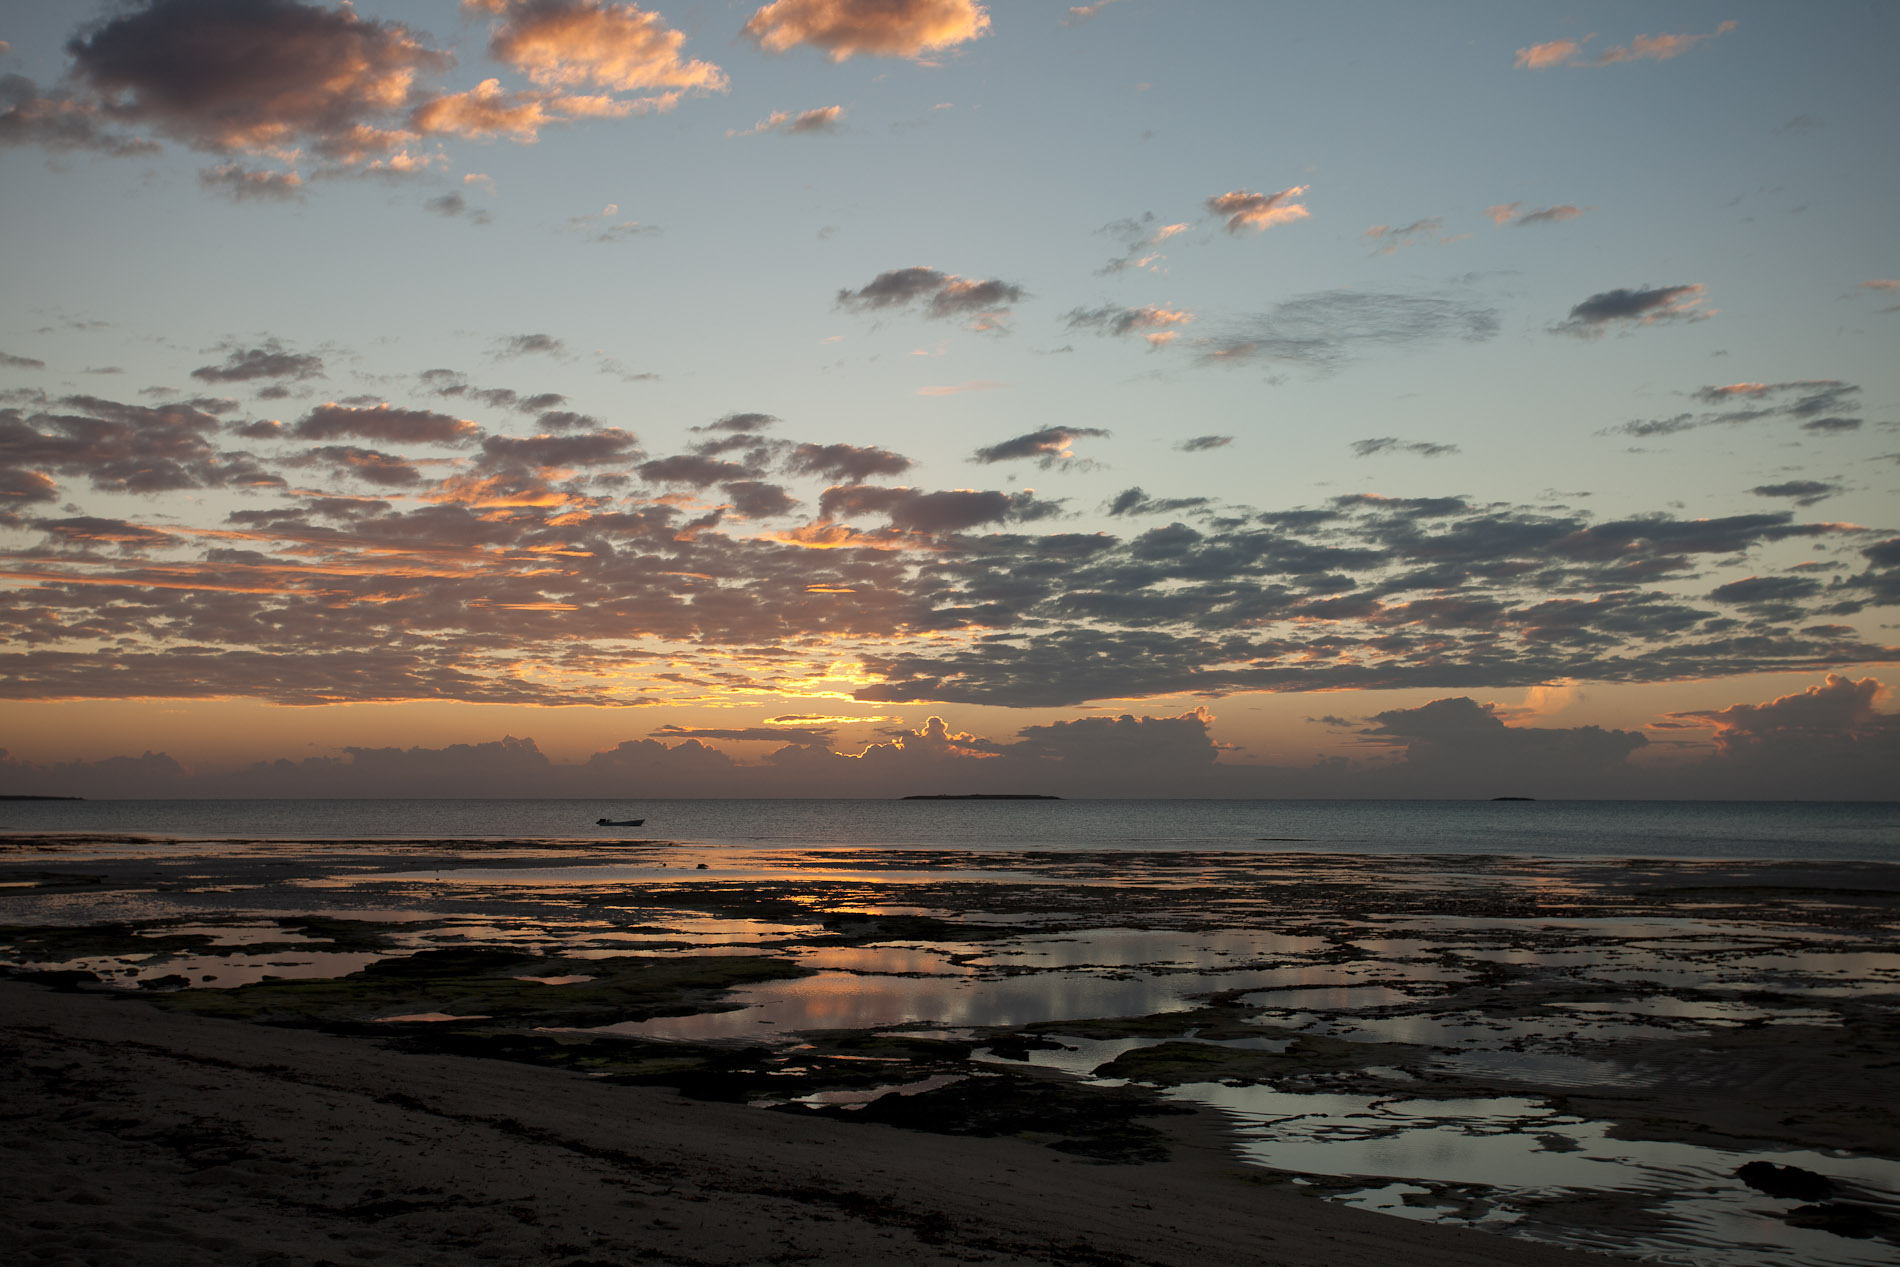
<point x="1788" y="1183"/>
<point x="1843" y="1218"/>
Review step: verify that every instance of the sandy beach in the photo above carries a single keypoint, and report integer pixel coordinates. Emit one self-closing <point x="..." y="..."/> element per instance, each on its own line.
<point x="546" y="1052"/>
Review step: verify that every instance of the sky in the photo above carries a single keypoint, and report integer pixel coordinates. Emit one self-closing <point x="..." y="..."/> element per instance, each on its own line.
<point x="877" y="397"/>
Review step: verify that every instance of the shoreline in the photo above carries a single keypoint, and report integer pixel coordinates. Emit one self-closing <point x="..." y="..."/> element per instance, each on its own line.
<point x="1281" y="1026"/>
<point x="153" y="1138"/>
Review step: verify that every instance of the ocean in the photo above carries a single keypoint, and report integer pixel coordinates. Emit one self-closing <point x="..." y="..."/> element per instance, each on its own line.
<point x="1819" y="830"/>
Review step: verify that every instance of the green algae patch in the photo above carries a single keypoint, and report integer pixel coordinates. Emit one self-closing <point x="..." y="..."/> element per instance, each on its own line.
<point x="1175" y="1063"/>
<point x="489" y="984"/>
<point x="61" y="944"/>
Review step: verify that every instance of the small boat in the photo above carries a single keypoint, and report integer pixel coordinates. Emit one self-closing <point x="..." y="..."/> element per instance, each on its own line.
<point x="619" y="822"/>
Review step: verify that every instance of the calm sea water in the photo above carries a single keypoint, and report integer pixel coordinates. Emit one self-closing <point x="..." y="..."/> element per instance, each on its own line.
<point x="1682" y="829"/>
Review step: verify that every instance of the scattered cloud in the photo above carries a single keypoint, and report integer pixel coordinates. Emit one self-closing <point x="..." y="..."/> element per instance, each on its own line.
<point x="571" y="45"/>
<point x="1820" y="405"/>
<point x="244" y="184"/>
<point x="943" y="296"/>
<point x="270" y="360"/>
<point x="9" y="361"/>
<point x="1508" y="213"/>
<point x="1392" y="444"/>
<point x="1243" y="209"/>
<point x="846" y="462"/>
<point x="1159" y="326"/>
<point x="1201" y="444"/>
<point x="1627" y="308"/>
<point x="1392" y="239"/>
<point x="453" y="205"/>
<point x="1048" y="447"/>
<point x="1654" y="48"/>
<point x="385" y="423"/>
<point x="531" y="345"/>
<point x="1080" y="13"/>
<point x="1801" y="492"/>
<point x="816" y="122"/>
<point x="1141" y="236"/>
<point x="1326" y="330"/>
<point x="842" y="29"/>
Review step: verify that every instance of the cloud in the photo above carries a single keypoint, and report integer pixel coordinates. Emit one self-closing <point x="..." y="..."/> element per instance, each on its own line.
<point x="1080" y="13"/>
<point x="808" y="123"/>
<point x="1326" y="330"/>
<point x="569" y="44"/>
<point x="913" y="510"/>
<point x="244" y="184"/>
<point x="1803" y="492"/>
<point x="1392" y="239"/>
<point x="1159" y="326"/>
<point x="1392" y="444"/>
<point x="1243" y="209"/>
<point x="1047" y="447"/>
<point x="370" y="465"/>
<point x="1818" y="404"/>
<point x="12" y="362"/>
<point x="123" y="448"/>
<point x="1655" y="48"/>
<point x="1627" y="308"/>
<point x="878" y="28"/>
<point x="1140" y="236"/>
<point x="1133" y="501"/>
<point x="452" y="205"/>
<point x="846" y="461"/>
<point x="1201" y="444"/>
<point x="271" y="360"/>
<point x="1880" y="284"/>
<point x="944" y="296"/>
<point x="531" y="345"/>
<point x="59" y="122"/>
<point x="256" y="76"/>
<point x="1507" y="213"/>
<point x="383" y="422"/>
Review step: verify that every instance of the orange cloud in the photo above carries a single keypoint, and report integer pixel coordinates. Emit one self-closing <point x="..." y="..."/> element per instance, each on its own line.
<point x="880" y="28"/>
<point x="1244" y="209"/>
<point x="485" y="110"/>
<point x="1555" y="53"/>
<point x="619" y="47"/>
<point x="1654" y="48"/>
<point x="823" y="119"/>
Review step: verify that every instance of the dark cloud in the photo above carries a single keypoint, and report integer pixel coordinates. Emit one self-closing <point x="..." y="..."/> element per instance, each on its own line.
<point x="1803" y="492"/>
<point x="1159" y="326"/>
<point x="122" y="448"/>
<point x="272" y="360"/>
<point x="369" y="465"/>
<point x="1047" y="447"/>
<point x="944" y="296"/>
<point x="1815" y="403"/>
<point x="1392" y="444"/>
<point x="1326" y="330"/>
<point x="1201" y="444"/>
<point x="692" y="468"/>
<point x="1825" y="741"/>
<point x="1627" y="308"/>
<point x="912" y="510"/>
<point x="1468" y="748"/>
<point x="12" y="362"/>
<point x="819" y="736"/>
<point x="757" y="500"/>
<point x="383" y="422"/>
<point x="451" y="206"/>
<point x="588" y="448"/>
<point x="846" y="462"/>
<point x="530" y="345"/>
<point x="1132" y="501"/>
<point x="256" y="75"/>
<point x="745" y="422"/>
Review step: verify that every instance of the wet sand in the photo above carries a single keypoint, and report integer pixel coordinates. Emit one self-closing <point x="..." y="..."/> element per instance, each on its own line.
<point x="554" y="1052"/>
<point x="136" y="1136"/>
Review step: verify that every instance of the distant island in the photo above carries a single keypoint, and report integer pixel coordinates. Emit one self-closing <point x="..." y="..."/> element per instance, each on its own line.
<point x="42" y="798"/>
<point x="983" y="796"/>
<point x="1513" y="798"/>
